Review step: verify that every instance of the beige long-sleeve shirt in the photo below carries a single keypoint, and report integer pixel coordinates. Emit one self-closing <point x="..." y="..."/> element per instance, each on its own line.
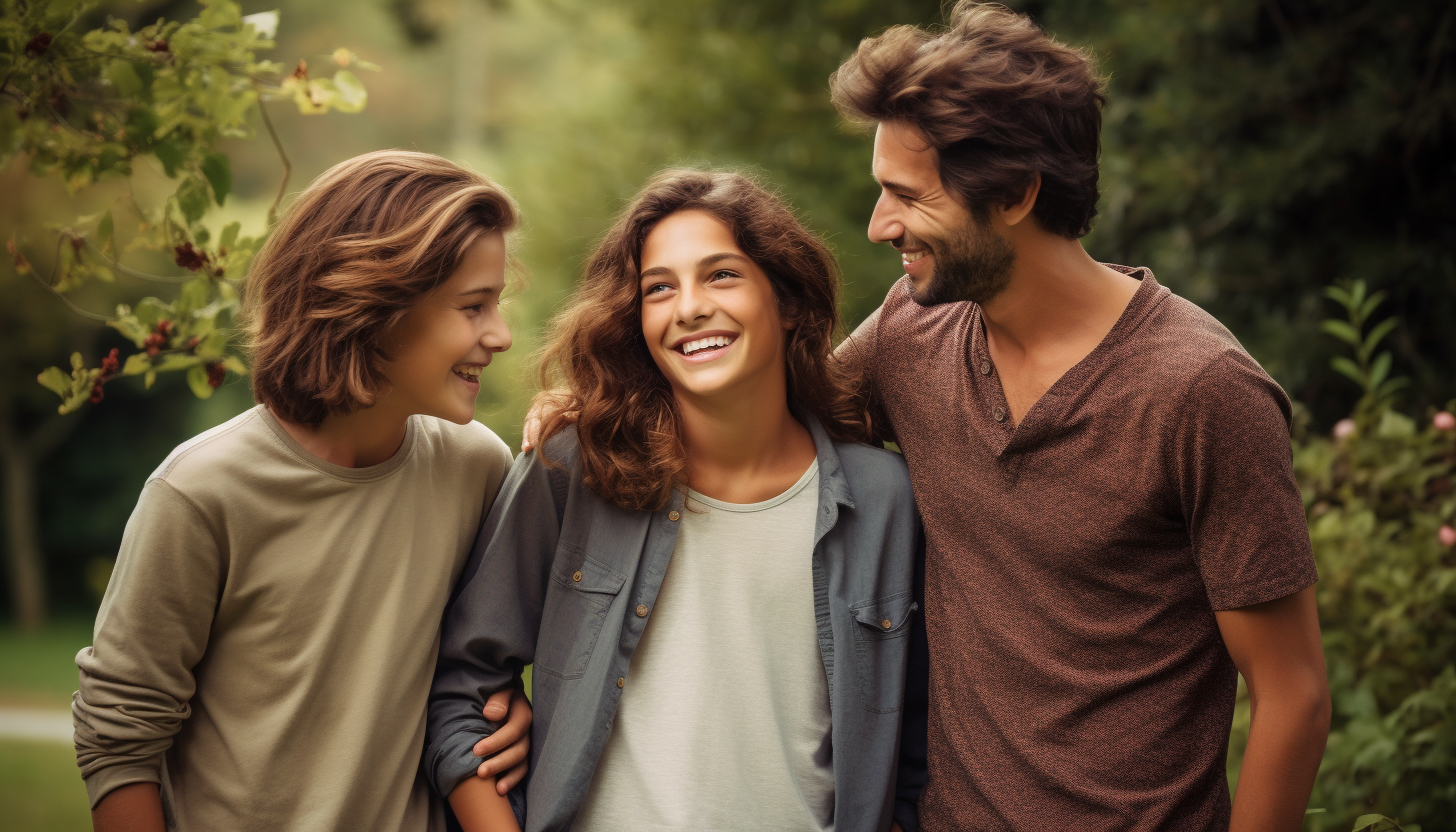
<point x="265" y="647"/>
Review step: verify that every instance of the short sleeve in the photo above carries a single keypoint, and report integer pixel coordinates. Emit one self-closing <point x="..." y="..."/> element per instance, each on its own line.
<point x="1240" y="501"/>
<point x="858" y="355"/>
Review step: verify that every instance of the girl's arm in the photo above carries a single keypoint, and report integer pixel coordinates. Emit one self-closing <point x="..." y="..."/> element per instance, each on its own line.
<point x="480" y="809"/>
<point x="489" y="630"/>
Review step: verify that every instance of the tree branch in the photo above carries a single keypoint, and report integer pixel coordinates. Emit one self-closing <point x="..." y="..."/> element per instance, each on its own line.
<point x="287" y="165"/>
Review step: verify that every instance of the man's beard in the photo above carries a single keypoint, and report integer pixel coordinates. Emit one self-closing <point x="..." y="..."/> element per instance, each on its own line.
<point x="974" y="265"/>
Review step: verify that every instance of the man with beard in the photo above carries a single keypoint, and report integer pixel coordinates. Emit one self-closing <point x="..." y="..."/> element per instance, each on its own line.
<point x="1113" y="529"/>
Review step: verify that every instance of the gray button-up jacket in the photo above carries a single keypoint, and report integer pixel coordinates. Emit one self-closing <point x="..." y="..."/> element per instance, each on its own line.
<point x="555" y="581"/>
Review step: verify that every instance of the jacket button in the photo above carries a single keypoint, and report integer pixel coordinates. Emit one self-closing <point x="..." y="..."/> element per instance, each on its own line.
<point x="576" y="576"/>
<point x="673" y="515"/>
<point x="641" y="610"/>
<point x="885" y="623"/>
<point x="999" y="414"/>
<point x="621" y="681"/>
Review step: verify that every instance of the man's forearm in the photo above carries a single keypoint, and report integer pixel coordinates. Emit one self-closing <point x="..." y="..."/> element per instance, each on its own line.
<point x="135" y="807"/>
<point x="1286" y="741"/>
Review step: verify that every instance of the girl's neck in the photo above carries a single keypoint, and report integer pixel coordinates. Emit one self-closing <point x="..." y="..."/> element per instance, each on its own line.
<point x="352" y="440"/>
<point x="743" y="449"/>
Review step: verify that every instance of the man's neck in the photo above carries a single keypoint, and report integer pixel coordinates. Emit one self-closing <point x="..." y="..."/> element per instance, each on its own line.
<point x="1058" y="295"/>
<point x="353" y="440"/>
<point x="743" y="448"/>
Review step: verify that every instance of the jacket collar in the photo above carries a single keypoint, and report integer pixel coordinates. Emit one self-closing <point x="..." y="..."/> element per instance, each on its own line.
<point x="833" y="486"/>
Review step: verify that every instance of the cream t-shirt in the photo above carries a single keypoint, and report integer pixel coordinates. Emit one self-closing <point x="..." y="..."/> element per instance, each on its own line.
<point x="266" y="644"/>
<point x="724" y="723"/>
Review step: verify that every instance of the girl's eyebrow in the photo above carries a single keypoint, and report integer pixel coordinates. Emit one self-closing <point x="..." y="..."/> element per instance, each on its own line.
<point x="478" y="290"/>
<point x="710" y="260"/>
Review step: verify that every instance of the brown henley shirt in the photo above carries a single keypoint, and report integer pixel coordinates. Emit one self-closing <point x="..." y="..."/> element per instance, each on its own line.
<point x="1074" y="561"/>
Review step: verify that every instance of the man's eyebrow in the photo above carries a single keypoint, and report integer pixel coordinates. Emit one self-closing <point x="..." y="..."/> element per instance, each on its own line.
<point x="710" y="260"/>
<point x="905" y="190"/>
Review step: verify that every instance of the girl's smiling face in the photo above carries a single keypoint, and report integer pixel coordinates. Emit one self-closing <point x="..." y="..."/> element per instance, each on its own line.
<point x="447" y="338"/>
<point x="709" y="314"/>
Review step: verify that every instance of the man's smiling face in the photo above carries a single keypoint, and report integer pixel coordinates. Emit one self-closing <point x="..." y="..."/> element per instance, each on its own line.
<point x="947" y="253"/>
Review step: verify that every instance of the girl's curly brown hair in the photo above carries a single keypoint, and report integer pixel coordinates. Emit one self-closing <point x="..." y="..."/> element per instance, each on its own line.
<point x="626" y="416"/>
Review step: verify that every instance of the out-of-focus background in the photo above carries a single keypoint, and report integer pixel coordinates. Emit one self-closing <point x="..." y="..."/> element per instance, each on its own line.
<point x="1255" y="152"/>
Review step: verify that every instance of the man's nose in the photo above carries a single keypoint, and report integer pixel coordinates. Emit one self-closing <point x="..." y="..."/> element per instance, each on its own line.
<point x="885" y="225"/>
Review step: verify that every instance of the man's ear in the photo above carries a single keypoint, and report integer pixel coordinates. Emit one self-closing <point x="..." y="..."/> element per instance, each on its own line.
<point x="1021" y="209"/>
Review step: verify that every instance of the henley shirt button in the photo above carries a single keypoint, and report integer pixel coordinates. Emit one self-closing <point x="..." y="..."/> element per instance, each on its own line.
<point x="576" y="576"/>
<point x="999" y="414"/>
<point x="621" y="682"/>
<point x="673" y="515"/>
<point x="641" y="610"/>
<point x="985" y="368"/>
<point x="885" y="623"/>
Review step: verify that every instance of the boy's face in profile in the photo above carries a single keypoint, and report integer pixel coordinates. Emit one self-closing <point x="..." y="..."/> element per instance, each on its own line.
<point x="446" y="339"/>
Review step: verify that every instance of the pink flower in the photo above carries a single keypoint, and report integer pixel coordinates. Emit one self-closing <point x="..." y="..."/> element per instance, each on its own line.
<point x="1447" y="536"/>
<point x="1444" y="421"/>
<point x="1344" y="429"/>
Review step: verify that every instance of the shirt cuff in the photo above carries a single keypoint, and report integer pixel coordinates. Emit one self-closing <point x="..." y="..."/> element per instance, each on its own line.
<point x="104" y="781"/>
<point x="454" y="761"/>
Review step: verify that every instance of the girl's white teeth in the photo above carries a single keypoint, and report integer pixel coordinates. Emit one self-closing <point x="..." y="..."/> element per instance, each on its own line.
<point x="911" y="256"/>
<point x="704" y="343"/>
<point x="469" y="373"/>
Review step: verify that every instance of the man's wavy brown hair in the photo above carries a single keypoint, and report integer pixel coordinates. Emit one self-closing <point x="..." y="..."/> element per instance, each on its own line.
<point x="999" y="100"/>
<point x="359" y="247"/>
<point x="626" y="417"/>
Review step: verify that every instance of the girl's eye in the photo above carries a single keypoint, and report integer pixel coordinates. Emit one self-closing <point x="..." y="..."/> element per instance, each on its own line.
<point x="655" y="288"/>
<point x="474" y="309"/>
<point x="723" y="274"/>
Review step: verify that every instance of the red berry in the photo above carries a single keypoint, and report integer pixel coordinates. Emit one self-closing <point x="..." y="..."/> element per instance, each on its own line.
<point x="215" y="375"/>
<point x="189" y="257"/>
<point x="110" y="364"/>
<point x="164" y="327"/>
<point x="97" y="394"/>
<point x="37" y="46"/>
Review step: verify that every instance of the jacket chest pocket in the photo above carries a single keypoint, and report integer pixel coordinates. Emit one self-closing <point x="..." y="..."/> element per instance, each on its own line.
<point x="881" y="650"/>
<point x="577" y="602"/>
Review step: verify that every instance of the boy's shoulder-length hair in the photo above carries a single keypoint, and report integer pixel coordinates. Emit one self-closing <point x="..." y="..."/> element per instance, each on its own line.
<point x="357" y="249"/>
<point x="631" y="450"/>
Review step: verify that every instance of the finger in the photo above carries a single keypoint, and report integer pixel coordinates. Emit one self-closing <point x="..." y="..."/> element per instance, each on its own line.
<point x="497" y="705"/>
<point x="508" y="781"/>
<point x="528" y="433"/>
<point x="513" y="731"/>
<point x="504" y="761"/>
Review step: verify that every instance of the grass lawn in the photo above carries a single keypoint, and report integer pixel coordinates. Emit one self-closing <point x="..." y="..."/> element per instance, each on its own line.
<point x="40" y="787"/>
<point x="39" y="670"/>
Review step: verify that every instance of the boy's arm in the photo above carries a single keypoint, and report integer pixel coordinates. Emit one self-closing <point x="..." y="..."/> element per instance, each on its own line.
<point x="136" y="807"/>
<point x="1276" y="647"/>
<point x="480" y="809"/>
<point x="489" y="630"/>
<point x="136" y="679"/>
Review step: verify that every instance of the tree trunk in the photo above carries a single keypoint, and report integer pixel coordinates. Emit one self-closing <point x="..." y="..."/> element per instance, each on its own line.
<point x="27" y="565"/>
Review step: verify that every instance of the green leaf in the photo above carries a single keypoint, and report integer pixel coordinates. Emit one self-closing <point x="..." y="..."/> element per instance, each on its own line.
<point x="1348" y="369"/>
<point x="1339" y="295"/>
<point x="229" y="234"/>
<point x="235" y="365"/>
<point x="1378" y="332"/>
<point x="136" y="364"/>
<point x="149" y="379"/>
<point x="351" y="93"/>
<point x="1370" y="304"/>
<point x="1379" y="369"/>
<point x="219" y="175"/>
<point x="177" y="361"/>
<point x="192" y="198"/>
<point x="104" y="232"/>
<point x="193" y="295"/>
<point x="55" y="380"/>
<point x="1341" y="330"/>
<point x="171" y="154"/>
<point x="77" y="362"/>
<point x="197" y="380"/>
